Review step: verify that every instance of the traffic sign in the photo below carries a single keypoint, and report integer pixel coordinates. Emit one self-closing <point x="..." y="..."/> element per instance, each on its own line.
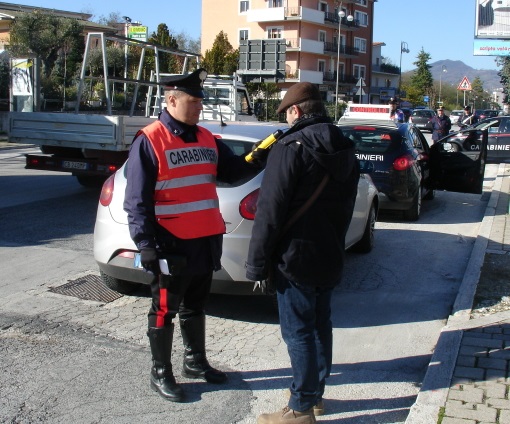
<point x="360" y="92"/>
<point x="361" y="83"/>
<point x="464" y="85"/>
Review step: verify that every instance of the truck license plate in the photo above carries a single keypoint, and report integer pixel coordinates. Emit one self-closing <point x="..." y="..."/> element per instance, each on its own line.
<point x="74" y="165"/>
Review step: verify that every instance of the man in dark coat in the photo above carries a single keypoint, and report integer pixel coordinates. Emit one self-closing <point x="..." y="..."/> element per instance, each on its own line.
<point x="441" y="125"/>
<point x="305" y="260"/>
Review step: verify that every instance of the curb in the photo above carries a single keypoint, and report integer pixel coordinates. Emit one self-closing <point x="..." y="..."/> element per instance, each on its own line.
<point x="436" y="384"/>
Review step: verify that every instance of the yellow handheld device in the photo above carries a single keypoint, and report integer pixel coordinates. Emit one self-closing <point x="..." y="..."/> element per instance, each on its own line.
<point x="265" y="144"/>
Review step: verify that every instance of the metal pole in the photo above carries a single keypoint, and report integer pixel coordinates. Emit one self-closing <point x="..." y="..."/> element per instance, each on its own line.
<point x="338" y="62"/>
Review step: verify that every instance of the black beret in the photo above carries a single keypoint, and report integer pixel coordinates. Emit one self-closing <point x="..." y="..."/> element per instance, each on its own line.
<point x="299" y="93"/>
<point x="192" y="84"/>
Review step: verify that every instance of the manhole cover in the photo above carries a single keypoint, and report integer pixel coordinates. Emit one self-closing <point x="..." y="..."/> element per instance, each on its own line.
<point x="89" y="287"/>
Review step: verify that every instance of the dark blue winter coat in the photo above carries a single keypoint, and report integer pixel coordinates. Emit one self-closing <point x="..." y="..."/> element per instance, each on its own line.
<point x="312" y="251"/>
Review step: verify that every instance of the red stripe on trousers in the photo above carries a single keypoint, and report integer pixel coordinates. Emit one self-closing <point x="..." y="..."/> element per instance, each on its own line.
<point x="163" y="309"/>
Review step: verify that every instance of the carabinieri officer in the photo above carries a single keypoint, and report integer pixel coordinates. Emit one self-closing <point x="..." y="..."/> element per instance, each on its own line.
<point x="173" y="212"/>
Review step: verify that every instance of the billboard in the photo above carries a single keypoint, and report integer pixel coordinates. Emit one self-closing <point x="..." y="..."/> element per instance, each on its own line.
<point x="492" y="19"/>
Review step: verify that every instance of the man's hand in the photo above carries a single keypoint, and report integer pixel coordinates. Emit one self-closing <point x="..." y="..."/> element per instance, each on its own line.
<point x="149" y="260"/>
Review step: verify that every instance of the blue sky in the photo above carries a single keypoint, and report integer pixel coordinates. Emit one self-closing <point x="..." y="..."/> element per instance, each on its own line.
<point x="444" y="28"/>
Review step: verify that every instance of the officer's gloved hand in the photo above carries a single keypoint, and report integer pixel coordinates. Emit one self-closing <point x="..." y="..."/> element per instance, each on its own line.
<point x="149" y="260"/>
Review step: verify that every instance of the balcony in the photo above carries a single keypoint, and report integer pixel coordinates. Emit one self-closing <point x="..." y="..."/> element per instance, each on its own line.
<point x="333" y="18"/>
<point x="345" y="51"/>
<point x="330" y="77"/>
<point x="304" y="75"/>
<point x="385" y="69"/>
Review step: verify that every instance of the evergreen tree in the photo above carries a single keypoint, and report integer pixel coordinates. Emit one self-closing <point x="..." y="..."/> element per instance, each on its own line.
<point x="421" y="80"/>
<point x="222" y="58"/>
<point x="504" y="74"/>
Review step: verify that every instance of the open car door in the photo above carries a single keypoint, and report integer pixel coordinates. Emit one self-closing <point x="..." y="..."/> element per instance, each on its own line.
<point x="459" y="164"/>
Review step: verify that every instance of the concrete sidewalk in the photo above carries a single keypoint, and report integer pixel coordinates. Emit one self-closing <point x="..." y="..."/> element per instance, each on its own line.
<point x="468" y="378"/>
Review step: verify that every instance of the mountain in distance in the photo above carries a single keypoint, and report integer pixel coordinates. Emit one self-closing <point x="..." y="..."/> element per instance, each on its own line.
<point x="457" y="70"/>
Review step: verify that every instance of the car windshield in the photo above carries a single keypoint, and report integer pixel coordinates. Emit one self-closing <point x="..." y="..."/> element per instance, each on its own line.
<point x="421" y="113"/>
<point x="373" y="139"/>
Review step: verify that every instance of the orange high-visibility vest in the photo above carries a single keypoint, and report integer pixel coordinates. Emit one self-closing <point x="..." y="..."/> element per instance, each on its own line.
<point x="186" y="201"/>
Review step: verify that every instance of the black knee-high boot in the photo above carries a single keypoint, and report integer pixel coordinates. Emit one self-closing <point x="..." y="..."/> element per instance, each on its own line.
<point x="195" y="364"/>
<point x="162" y="378"/>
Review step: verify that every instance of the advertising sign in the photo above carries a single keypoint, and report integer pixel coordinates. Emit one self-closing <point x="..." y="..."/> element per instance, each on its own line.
<point x="138" y="33"/>
<point x="492" y="19"/>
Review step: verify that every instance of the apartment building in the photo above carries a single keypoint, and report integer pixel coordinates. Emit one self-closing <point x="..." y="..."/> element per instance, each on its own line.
<point x="289" y="41"/>
<point x="384" y="79"/>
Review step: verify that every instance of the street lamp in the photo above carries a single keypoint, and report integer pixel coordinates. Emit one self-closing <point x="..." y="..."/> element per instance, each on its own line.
<point x="404" y="48"/>
<point x="350" y="18"/>
<point x="443" y="69"/>
<point x="127" y="22"/>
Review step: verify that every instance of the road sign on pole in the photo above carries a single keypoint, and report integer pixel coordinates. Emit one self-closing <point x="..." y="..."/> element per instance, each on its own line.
<point x="361" y="83"/>
<point x="464" y="85"/>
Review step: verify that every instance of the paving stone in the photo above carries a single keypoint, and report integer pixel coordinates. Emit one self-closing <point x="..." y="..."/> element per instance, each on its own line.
<point x="466" y="361"/>
<point x="473" y="351"/>
<point x="492" y="363"/>
<point x="451" y="420"/>
<point x="482" y="413"/>
<point x="500" y="353"/>
<point x="504" y="416"/>
<point x="468" y="372"/>
<point x="496" y="390"/>
<point x="478" y="341"/>
<point x="469" y="394"/>
<point x="499" y="404"/>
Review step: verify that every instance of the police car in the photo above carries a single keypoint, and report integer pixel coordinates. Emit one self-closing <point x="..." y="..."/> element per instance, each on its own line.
<point x="403" y="170"/>
<point x="498" y="148"/>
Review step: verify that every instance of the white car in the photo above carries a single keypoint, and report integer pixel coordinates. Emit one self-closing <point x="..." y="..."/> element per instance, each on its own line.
<point x="114" y="251"/>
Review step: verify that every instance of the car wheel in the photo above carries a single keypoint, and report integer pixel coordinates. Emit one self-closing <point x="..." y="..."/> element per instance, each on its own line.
<point x="413" y="213"/>
<point x="366" y="243"/>
<point x="120" y="286"/>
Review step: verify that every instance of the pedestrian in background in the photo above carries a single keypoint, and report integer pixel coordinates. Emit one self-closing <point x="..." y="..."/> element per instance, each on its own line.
<point x="396" y="114"/>
<point x="305" y="260"/>
<point x="467" y="118"/>
<point x="173" y="214"/>
<point x="505" y="111"/>
<point x="441" y="125"/>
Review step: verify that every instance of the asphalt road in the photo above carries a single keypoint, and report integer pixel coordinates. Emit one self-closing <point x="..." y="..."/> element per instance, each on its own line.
<point x="67" y="359"/>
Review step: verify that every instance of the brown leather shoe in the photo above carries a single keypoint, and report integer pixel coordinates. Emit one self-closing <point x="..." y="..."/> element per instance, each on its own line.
<point x="318" y="408"/>
<point x="288" y="416"/>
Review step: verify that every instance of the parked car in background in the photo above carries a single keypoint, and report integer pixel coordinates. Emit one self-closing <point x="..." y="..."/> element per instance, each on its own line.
<point x="486" y="113"/>
<point x="455" y="115"/>
<point x="498" y="147"/>
<point x="406" y="169"/>
<point x="114" y="251"/>
<point x="422" y="118"/>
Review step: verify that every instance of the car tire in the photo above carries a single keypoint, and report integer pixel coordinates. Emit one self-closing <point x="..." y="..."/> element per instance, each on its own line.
<point x="413" y="213"/>
<point x="115" y="284"/>
<point x="366" y="243"/>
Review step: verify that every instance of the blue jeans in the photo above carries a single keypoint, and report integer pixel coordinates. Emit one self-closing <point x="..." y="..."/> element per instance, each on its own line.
<point x="305" y="321"/>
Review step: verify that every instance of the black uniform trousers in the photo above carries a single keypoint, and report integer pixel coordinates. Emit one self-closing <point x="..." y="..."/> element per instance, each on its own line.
<point x="184" y="294"/>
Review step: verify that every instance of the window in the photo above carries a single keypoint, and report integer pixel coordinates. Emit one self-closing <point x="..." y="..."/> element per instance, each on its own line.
<point x="323" y="7"/>
<point x="244" y="6"/>
<point x="362" y="2"/>
<point x="322" y="36"/>
<point x="361" y="17"/>
<point x="275" y="3"/>
<point x="360" y="44"/>
<point x="321" y="66"/>
<point x="274" y="32"/>
<point x="359" y="71"/>
<point x="243" y="34"/>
